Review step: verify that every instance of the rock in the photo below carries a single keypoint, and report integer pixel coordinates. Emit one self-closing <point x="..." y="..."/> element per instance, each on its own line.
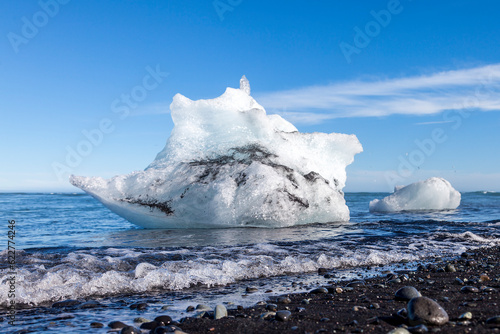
<point x="305" y="301"/>
<point x="267" y="315"/>
<point x="164" y="318"/>
<point x="190" y="308"/>
<point x="284" y="300"/>
<point x="141" y="320"/>
<point x="493" y="320"/>
<point x="488" y="289"/>
<point x="458" y="281"/>
<point x="283" y="315"/>
<point x="322" y="271"/>
<point x="150" y="325"/>
<point x="406" y="293"/>
<point x="220" y="312"/>
<point x="399" y="330"/>
<point x="319" y="290"/>
<point x="116" y="324"/>
<point x="469" y="289"/>
<point x="465" y="316"/>
<point x="66" y="303"/>
<point x="423" y="310"/>
<point x="450" y="268"/>
<point x="203" y="307"/>
<point x="418" y="329"/>
<point x="356" y="284"/>
<point x="272" y="307"/>
<point x="130" y="330"/>
<point x="90" y="304"/>
<point x="96" y="325"/>
<point x="139" y="306"/>
<point x="251" y="289"/>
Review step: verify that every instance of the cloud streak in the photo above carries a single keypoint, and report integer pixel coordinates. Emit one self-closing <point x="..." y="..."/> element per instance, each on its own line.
<point x="477" y="88"/>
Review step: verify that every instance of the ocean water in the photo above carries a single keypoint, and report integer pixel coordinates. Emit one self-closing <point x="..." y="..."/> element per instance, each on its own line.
<point x="69" y="246"/>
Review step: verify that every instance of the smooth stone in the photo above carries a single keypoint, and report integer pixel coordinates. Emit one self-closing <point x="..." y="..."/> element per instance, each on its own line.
<point x="458" y="281"/>
<point x="150" y="325"/>
<point x="66" y="303"/>
<point x="284" y="300"/>
<point x="96" y="325"/>
<point x="319" y="290"/>
<point x="399" y="330"/>
<point x="450" y="268"/>
<point x="116" y="324"/>
<point x="356" y="284"/>
<point x="304" y="301"/>
<point x="251" y="289"/>
<point x="139" y="306"/>
<point x="283" y="315"/>
<point x="190" y="308"/>
<point x="493" y="320"/>
<point x="423" y="310"/>
<point x="465" y="316"/>
<point x="164" y="318"/>
<point x="220" y="312"/>
<point x="469" y="289"/>
<point x="406" y="293"/>
<point x="203" y="307"/>
<point x="487" y="289"/>
<point x="267" y="315"/>
<point x="90" y="304"/>
<point x="141" y="320"/>
<point x="272" y="307"/>
<point x="418" y="329"/>
<point x="130" y="330"/>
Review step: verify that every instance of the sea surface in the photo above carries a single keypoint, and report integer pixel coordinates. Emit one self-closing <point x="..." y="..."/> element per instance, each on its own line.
<point x="69" y="246"/>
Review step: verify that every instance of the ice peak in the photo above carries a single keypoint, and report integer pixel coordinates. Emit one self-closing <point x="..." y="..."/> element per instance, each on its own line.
<point x="245" y="85"/>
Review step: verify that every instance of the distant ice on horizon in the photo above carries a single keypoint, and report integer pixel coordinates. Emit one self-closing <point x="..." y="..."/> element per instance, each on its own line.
<point x="227" y="163"/>
<point x="432" y="194"/>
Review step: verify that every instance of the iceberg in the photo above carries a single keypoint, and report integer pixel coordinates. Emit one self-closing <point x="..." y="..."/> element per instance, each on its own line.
<point x="228" y="164"/>
<point x="432" y="194"/>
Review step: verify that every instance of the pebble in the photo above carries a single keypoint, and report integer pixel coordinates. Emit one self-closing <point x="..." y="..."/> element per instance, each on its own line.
<point x="458" y="281"/>
<point x="450" y="268"/>
<point x="356" y="284"/>
<point x="150" y="325"/>
<point x="469" y="289"/>
<point x="139" y="306"/>
<point x="493" y="320"/>
<point x="399" y="330"/>
<point x="203" y="307"/>
<point x="220" y="312"/>
<point x="251" y="289"/>
<point x="116" y="325"/>
<point x="418" y="329"/>
<point x="406" y="293"/>
<point x="272" y="307"/>
<point x="283" y="315"/>
<point x="141" y="320"/>
<point x="164" y="318"/>
<point x="488" y="289"/>
<point x="190" y="308"/>
<point x="66" y="303"/>
<point x="90" y="304"/>
<point x="305" y="301"/>
<point x="319" y="290"/>
<point x="96" y="325"/>
<point x="267" y="315"/>
<point x="130" y="330"/>
<point x="465" y="316"/>
<point x="423" y="310"/>
<point x="284" y="300"/>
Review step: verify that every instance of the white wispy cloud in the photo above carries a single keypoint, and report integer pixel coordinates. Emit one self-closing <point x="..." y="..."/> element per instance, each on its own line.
<point x="477" y="88"/>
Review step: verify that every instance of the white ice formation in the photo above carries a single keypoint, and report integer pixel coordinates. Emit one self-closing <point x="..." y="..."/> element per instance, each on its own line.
<point x="229" y="164"/>
<point x="432" y="194"/>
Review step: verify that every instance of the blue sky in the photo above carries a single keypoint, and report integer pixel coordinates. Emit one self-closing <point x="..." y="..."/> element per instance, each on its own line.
<point x="417" y="81"/>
